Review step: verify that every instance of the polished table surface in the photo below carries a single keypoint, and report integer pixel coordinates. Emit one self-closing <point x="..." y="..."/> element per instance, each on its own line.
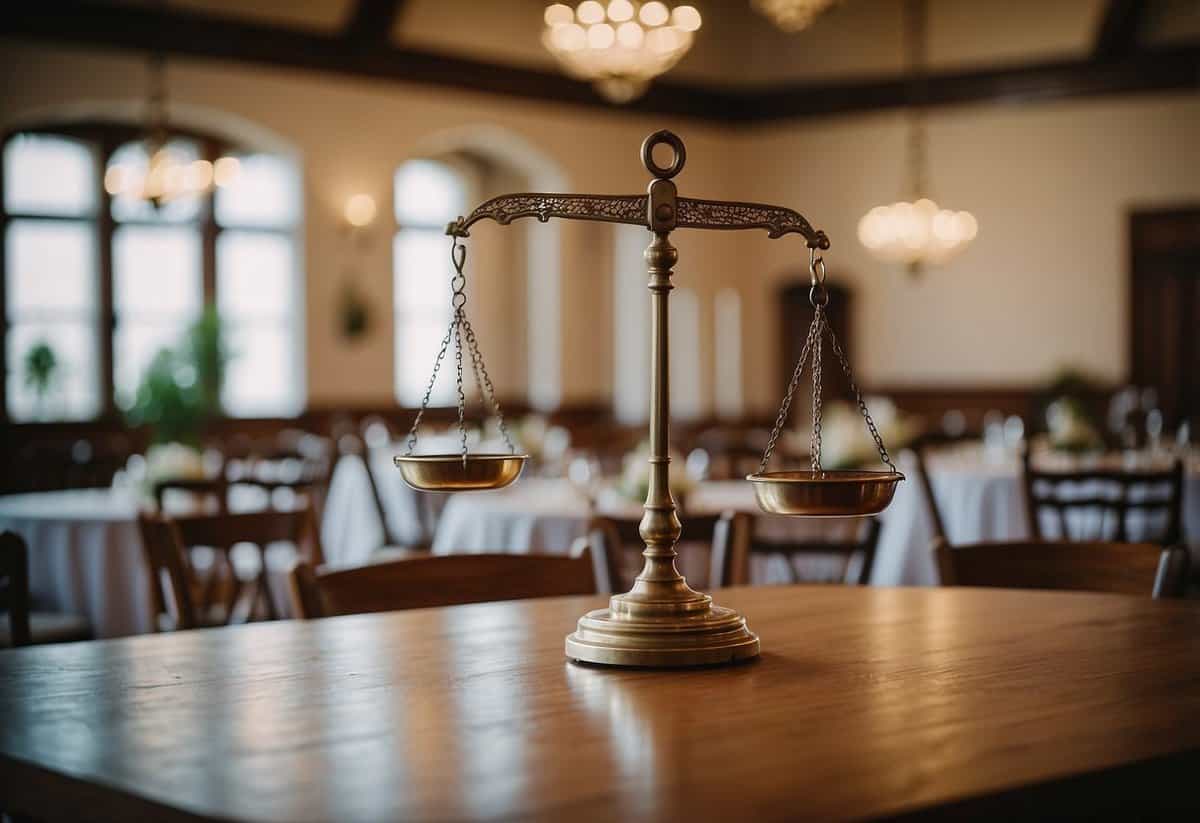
<point x="866" y="702"/>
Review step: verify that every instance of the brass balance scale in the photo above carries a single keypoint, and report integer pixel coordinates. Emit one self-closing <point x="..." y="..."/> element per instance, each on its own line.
<point x="661" y="621"/>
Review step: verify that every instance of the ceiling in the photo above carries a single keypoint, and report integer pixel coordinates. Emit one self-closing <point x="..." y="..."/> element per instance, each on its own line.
<point x="741" y="69"/>
<point x="738" y="48"/>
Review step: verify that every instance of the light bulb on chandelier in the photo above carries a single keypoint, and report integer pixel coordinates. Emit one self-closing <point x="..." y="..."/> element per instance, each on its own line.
<point x="620" y="48"/>
<point x="916" y="232"/>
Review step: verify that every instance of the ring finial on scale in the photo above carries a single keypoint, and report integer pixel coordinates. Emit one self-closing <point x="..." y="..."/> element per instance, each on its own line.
<point x="668" y="138"/>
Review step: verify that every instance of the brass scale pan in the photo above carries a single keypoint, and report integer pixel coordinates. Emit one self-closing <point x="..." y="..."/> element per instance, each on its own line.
<point x="802" y="493"/>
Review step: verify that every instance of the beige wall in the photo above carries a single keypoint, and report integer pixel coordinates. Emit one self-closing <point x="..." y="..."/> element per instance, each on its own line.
<point x="1043" y="286"/>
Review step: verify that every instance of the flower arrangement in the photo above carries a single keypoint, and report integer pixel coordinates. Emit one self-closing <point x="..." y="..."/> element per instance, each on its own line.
<point x="1070" y="427"/>
<point x="845" y="441"/>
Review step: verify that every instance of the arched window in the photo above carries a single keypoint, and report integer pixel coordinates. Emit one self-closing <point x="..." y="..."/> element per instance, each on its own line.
<point x="78" y="260"/>
<point x="727" y="348"/>
<point x="428" y="195"/>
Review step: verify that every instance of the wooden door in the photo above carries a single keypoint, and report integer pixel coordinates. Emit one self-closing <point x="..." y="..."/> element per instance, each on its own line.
<point x="1164" y="334"/>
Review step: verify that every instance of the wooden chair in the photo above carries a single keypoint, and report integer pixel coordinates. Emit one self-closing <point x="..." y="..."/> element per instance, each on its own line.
<point x="444" y="580"/>
<point x="261" y="529"/>
<point x="25" y="627"/>
<point x="619" y="543"/>
<point x="731" y="555"/>
<point x="1101" y="493"/>
<point x="1119" y="568"/>
<point x="171" y="582"/>
<point x="928" y="498"/>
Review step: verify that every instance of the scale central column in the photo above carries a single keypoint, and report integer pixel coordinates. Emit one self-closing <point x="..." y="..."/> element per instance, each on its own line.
<point x="661" y="621"/>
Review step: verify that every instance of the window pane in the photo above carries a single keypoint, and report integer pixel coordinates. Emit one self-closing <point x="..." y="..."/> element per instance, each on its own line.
<point x="422" y="271"/>
<point x="255" y="274"/>
<point x="417" y="343"/>
<point x="265" y="192"/>
<point x="49" y="175"/>
<point x="428" y="194"/>
<point x="51" y="269"/>
<point x="156" y="271"/>
<point x="132" y="160"/>
<point x="260" y="378"/>
<point x="157" y="293"/>
<point x="72" y="391"/>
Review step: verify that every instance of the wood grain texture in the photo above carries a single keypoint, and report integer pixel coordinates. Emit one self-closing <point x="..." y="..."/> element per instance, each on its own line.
<point x="866" y="702"/>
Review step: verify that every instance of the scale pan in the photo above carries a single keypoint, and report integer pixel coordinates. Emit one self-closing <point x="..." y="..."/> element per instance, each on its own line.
<point x="452" y="473"/>
<point x="825" y="493"/>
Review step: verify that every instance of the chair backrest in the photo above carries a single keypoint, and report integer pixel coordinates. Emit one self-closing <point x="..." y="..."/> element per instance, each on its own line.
<point x="166" y="561"/>
<point x="445" y="580"/>
<point x="14" y="587"/>
<point x="222" y="531"/>
<point x="1120" y="568"/>
<point x="617" y="537"/>
<point x="856" y="553"/>
<point x="928" y="499"/>
<point x="1084" y="500"/>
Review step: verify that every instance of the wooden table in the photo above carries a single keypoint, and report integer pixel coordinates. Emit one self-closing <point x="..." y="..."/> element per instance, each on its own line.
<point x="865" y="702"/>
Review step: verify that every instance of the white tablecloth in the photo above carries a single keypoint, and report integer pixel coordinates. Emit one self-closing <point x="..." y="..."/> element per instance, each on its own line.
<point x="85" y="556"/>
<point x="351" y="528"/>
<point x="979" y="500"/>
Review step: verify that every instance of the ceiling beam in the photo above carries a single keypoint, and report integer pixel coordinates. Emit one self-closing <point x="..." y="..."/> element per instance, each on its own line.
<point x="1117" y="34"/>
<point x="190" y="34"/>
<point x="371" y="22"/>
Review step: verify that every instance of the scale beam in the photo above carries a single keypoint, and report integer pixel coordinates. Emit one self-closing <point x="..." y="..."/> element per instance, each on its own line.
<point x="631" y="210"/>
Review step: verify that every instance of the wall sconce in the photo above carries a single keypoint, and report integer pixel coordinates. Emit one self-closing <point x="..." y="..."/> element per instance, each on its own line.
<point x="354" y="313"/>
<point x="359" y="211"/>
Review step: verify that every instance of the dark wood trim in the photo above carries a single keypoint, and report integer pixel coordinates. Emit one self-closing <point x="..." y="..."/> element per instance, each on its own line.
<point x="371" y="22"/>
<point x="198" y="35"/>
<point x="1118" y="31"/>
<point x="107" y="320"/>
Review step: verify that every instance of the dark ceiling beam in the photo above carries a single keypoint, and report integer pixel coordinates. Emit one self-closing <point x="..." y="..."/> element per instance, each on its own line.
<point x="1117" y="34"/>
<point x="371" y="22"/>
<point x="190" y="34"/>
<point x="1161" y="70"/>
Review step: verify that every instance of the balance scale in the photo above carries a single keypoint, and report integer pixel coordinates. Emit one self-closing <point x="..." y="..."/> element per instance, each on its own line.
<point x="661" y="621"/>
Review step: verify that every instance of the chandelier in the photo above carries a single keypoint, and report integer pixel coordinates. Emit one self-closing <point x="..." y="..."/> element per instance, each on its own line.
<point x="916" y="232"/>
<point x="792" y="15"/>
<point x="620" y="47"/>
<point x="166" y="173"/>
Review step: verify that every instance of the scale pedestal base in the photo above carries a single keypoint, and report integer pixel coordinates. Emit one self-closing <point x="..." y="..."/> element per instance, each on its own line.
<point x="674" y="632"/>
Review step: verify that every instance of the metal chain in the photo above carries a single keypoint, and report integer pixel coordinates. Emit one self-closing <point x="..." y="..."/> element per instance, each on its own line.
<point x="459" y="329"/>
<point x="862" y="406"/>
<point x="781" y="419"/>
<point x="486" y="388"/>
<point x="814" y="442"/>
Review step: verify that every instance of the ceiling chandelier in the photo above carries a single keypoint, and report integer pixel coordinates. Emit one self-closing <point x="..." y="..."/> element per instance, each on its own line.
<point x="917" y="232"/>
<point x="619" y="47"/>
<point x="165" y="173"/>
<point x="792" y="15"/>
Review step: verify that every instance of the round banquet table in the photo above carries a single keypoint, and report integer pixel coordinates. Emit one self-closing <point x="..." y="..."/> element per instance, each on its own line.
<point x="980" y="498"/>
<point x="85" y="556"/>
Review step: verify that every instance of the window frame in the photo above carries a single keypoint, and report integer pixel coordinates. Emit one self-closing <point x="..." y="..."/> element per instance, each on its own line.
<point x="104" y="139"/>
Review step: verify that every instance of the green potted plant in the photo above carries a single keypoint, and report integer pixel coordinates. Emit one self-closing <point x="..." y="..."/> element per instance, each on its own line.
<point x="41" y="374"/>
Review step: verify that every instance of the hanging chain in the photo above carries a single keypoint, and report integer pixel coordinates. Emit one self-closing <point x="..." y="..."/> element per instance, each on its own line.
<point x="459" y="329"/>
<point x="781" y="419"/>
<point x="819" y="297"/>
<point x="814" y="441"/>
<point x="862" y="406"/>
